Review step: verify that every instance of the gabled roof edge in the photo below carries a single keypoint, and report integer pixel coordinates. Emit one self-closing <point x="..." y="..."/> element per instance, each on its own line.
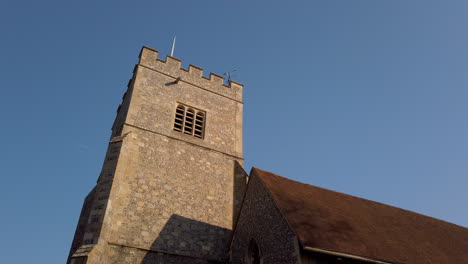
<point x="258" y="171"/>
<point x="255" y="170"/>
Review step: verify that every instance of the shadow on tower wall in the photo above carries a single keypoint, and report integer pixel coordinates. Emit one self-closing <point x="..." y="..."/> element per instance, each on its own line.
<point x="184" y="240"/>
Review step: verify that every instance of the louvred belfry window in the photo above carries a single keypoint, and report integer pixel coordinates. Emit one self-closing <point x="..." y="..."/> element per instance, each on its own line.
<point x="189" y="121"/>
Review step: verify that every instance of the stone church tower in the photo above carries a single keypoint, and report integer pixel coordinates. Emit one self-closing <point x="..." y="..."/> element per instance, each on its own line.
<point x="171" y="182"/>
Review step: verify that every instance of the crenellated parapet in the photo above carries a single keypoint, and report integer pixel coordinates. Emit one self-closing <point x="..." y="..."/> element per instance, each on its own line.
<point x="193" y="75"/>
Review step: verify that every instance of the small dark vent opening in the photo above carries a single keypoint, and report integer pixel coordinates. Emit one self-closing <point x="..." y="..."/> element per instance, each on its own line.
<point x="253" y="256"/>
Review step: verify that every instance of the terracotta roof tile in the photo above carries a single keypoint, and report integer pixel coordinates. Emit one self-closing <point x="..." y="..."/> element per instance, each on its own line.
<point x="338" y="222"/>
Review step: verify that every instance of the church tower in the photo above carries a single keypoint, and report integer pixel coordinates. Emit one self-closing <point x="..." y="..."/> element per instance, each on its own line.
<point x="171" y="182"/>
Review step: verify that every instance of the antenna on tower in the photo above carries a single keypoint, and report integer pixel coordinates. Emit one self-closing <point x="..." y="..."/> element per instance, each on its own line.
<point x="229" y="74"/>
<point x="173" y="46"/>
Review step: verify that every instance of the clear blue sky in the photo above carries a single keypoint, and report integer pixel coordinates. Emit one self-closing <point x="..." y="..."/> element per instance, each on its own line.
<point x="364" y="97"/>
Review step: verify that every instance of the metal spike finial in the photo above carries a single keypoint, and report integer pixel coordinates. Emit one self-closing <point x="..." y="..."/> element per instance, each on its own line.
<point x="173" y="46"/>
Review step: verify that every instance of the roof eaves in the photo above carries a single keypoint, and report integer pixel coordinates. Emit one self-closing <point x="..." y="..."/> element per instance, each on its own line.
<point x="339" y="254"/>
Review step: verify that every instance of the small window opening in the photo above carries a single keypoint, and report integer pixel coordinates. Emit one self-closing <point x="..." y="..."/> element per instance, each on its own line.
<point x="199" y="121"/>
<point x="188" y="129"/>
<point x="189" y="121"/>
<point x="179" y="118"/>
<point x="253" y="256"/>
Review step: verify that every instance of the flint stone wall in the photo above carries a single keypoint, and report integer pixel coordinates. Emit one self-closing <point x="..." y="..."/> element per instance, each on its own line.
<point x="173" y="192"/>
<point x="261" y="220"/>
<point x="165" y="196"/>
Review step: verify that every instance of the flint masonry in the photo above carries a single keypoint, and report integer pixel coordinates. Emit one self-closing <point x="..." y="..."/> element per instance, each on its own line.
<point x="172" y="190"/>
<point x="166" y="189"/>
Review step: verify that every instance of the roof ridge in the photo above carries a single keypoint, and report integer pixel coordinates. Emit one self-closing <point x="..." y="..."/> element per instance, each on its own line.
<point x="356" y="197"/>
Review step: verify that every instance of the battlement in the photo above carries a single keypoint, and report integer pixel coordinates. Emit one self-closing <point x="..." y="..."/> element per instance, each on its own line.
<point x="193" y="75"/>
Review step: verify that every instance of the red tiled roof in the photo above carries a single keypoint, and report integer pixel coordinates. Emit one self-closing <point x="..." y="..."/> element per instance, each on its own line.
<point x="333" y="221"/>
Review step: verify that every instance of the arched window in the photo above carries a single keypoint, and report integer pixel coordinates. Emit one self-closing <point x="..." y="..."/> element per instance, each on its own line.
<point x="190" y="121"/>
<point x="253" y="256"/>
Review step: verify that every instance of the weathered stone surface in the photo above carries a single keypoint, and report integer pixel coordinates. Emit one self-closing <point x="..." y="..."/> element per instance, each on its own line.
<point x="261" y="220"/>
<point x="154" y="102"/>
<point x="240" y="186"/>
<point x="194" y="75"/>
<point x="82" y="223"/>
<point x="157" y="205"/>
<point x="119" y="254"/>
<point x="164" y="196"/>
